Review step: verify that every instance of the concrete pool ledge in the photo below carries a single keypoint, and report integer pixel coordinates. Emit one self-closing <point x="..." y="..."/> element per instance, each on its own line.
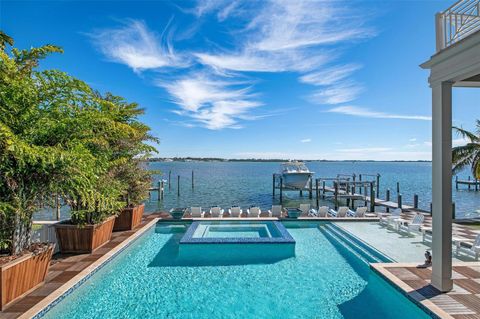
<point x="72" y="284"/>
<point x="461" y="303"/>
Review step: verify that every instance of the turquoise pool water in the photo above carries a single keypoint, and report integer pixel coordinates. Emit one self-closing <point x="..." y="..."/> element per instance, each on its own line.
<point x="323" y="280"/>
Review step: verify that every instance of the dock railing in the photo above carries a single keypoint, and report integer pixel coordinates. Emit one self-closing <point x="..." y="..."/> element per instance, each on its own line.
<point x="457" y="22"/>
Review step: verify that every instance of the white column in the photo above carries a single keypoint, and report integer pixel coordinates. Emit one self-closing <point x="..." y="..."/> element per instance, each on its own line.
<point x="442" y="185"/>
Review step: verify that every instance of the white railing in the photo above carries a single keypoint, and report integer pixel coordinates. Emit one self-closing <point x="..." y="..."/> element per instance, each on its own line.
<point x="457" y="22"/>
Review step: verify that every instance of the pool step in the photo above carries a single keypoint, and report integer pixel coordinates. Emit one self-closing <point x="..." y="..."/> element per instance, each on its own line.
<point x="360" y="249"/>
<point x="371" y="250"/>
<point x="332" y="236"/>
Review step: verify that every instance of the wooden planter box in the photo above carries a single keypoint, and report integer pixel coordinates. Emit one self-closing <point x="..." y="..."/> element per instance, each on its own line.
<point x="22" y="275"/>
<point x="129" y="218"/>
<point x="85" y="239"/>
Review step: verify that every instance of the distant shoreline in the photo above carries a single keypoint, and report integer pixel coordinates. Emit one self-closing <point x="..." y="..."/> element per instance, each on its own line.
<point x="260" y="160"/>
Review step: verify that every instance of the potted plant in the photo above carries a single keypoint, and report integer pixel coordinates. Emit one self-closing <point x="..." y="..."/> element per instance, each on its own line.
<point x="30" y="169"/>
<point x="138" y="181"/>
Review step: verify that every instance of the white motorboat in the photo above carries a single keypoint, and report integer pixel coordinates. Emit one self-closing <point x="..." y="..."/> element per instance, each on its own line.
<point x="295" y="175"/>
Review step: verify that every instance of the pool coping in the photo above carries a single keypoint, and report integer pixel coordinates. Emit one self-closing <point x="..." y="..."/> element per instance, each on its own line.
<point x="41" y="308"/>
<point x="285" y="238"/>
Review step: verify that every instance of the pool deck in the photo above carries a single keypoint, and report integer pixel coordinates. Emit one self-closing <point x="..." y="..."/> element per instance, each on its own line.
<point x="67" y="270"/>
<point x="463" y="302"/>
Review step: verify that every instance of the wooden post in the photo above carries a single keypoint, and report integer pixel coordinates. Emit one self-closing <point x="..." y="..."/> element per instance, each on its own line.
<point x="353" y="193"/>
<point x="323" y="192"/>
<point x="399" y="200"/>
<point x="316" y="192"/>
<point x="335" y="186"/>
<point x="354" y="185"/>
<point x="273" y="185"/>
<point x="372" y="198"/>
<point x="310" y="194"/>
<point x="162" y="188"/>
<point x="468" y="182"/>
<point x="453" y="210"/>
<point x="377" y="193"/>
<point x="301" y="193"/>
<point x="360" y="179"/>
<point x="456" y="182"/>
<point x="398" y="188"/>
<point x="169" y="178"/>
<point x="365" y="193"/>
<point x="476" y="185"/>
<point x="57" y="206"/>
<point x="431" y="209"/>
<point x="281" y="189"/>
<point x="178" y="185"/>
<point x="193" y="179"/>
<point x="388" y="199"/>
<point x="159" y="195"/>
<point x="415" y="201"/>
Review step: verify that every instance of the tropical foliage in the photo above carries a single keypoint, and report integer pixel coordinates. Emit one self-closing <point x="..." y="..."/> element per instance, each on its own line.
<point x="468" y="154"/>
<point x="59" y="136"/>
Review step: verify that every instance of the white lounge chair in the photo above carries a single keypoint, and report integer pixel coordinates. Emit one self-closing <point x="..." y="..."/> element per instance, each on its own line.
<point x="254" y="211"/>
<point x="216" y="211"/>
<point x="387" y="218"/>
<point x="196" y="212"/>
<point x="321" y="212"/>
<point x="469" y="248"/>
<point x="305" y="208"/>
<point x="235" y="211"/>
<point x="359" y="212"/>
<point x="342" y="211"/>
<point x="276" y="211"/>
<point x="414" y="225"/>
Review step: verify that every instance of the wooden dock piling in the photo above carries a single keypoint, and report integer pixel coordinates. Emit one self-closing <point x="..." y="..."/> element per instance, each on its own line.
<point x="388" y="199"/>
<point x="193" y="179"/>
<point x="273" y="185"/>
<point x="310" y="194"/>
<point x="399" y="201"/>
<point x="178" y="186"/>
<point x="169" y="179"/>
<point x="159" y="194"/>
<point x="316" y="193"/>
<point x="281" y="189"/>
<point x="415" y="201"/>
<point x="378" y="185"/>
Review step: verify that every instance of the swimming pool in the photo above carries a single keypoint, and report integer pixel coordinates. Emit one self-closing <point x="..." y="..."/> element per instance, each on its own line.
<point x="325" y="279"/>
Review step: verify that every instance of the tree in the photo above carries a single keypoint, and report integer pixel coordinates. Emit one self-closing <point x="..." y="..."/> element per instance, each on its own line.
<point x="468" y="154"/>
<point x="58" y="136"/>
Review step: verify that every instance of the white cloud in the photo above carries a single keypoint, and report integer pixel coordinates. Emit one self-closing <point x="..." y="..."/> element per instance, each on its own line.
<point x="337" y="94"/>
<point x="286" y="35"/>
<point x="248" y="61"/>
<point x="460" y="141"/>
<point x="364" y="112"/>
<point x="213" y="103"/>
<point x="412" y="139"/>
<point x="134" y="45"/>
<point x="364" y="150"/>
<point x="306" y="140"/>
<point x="330" y="75"/>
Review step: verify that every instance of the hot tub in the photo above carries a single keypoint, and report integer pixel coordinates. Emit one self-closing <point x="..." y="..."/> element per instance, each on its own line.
<point x="236" y="242"/>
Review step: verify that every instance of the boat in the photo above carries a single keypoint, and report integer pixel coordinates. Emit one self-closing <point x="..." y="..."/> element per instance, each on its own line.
<point x="295" y="175"/>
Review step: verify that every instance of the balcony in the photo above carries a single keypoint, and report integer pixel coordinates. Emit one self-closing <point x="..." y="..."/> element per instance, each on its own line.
<point x="457" y="22"/>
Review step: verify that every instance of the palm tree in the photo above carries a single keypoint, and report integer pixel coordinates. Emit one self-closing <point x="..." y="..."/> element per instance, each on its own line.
<point x="468" y="154"/>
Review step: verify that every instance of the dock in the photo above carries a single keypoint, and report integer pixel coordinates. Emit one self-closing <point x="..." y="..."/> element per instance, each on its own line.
<point x="475" y="183"/>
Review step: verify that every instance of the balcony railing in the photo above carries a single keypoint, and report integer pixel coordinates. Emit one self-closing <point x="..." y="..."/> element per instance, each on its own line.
<point x="457" y="22"/>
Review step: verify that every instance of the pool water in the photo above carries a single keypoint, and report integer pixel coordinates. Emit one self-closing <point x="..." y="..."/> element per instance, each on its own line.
<point x="232" y="231"/>
<point x="323" y="280"/>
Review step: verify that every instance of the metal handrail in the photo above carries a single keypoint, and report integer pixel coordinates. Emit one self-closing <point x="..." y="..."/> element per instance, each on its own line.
<point x="457" y="22"/>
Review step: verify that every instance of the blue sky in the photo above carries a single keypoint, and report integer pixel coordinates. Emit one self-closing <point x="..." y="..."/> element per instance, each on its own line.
<point x="240" y="79"/>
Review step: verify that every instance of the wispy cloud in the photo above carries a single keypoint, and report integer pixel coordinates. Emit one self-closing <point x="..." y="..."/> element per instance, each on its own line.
<point x="337" y="94"/>
<point x="306" y="140"/>
<point x="287" y="36"/>
<point x="364" y="112"/>
<point x="364" y="150"/>
<point x="330" y="75"/>
<point x="134" y="45"/>
<point x="412" y="139"/>
<point x="212" y="103"/>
